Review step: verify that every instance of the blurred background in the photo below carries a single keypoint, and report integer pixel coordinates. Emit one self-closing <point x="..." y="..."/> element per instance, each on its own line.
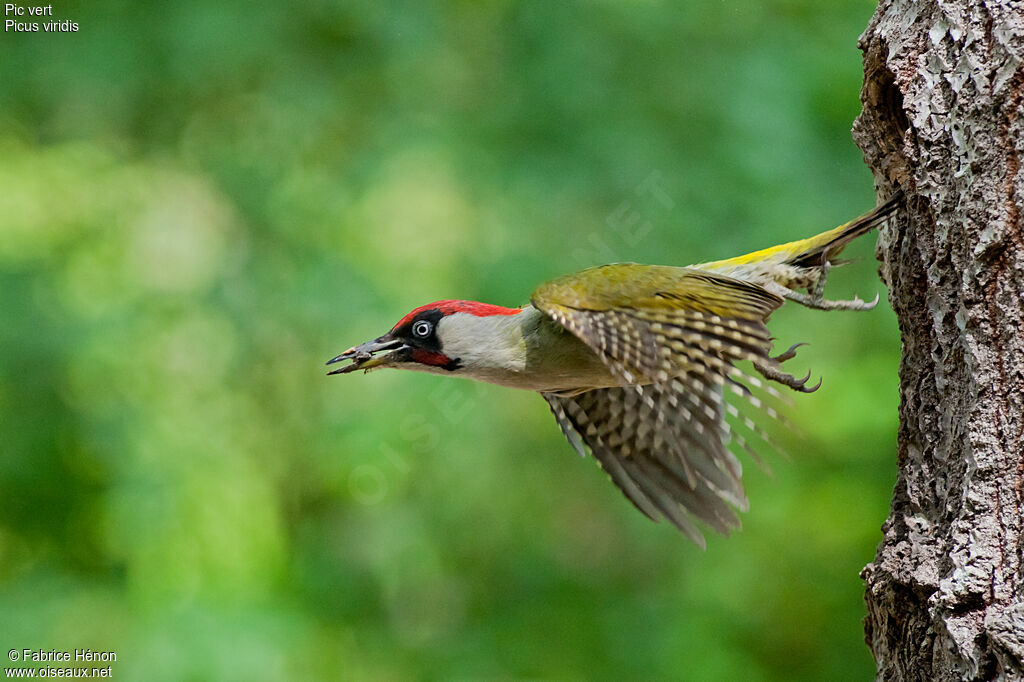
<point x="202" y="202"/>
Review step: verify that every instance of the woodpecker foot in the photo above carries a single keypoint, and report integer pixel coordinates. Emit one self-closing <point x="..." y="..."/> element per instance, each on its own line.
<point x="775" y="374"/>
<point x="789" y="354"/>
<point x="815" y="296"/>
<point x="824" y="304"/>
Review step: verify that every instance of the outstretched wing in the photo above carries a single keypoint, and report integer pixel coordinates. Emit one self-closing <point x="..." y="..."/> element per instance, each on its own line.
<point x="672" y="336"/>
<point x="651" y="322"/>
<point x="668" y="460"/>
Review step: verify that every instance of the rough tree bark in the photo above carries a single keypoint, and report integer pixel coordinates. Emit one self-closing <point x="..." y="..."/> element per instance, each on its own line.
<point x="943" y="119"/>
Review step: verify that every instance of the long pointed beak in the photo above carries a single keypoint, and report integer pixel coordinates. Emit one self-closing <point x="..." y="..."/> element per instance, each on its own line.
<point x="368" y="355"/>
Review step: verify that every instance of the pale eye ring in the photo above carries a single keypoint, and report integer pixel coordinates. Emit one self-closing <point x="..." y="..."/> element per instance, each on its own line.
<point x="422" y="328"/>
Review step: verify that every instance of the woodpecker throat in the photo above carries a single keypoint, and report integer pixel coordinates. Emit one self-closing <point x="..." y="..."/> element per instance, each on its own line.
<point x="635" y="362"/>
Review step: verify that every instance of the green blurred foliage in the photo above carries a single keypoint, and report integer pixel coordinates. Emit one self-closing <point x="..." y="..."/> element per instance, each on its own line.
<point x="200" y="202"/>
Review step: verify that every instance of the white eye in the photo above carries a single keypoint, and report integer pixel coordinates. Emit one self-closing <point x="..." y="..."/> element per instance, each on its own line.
<point x="422" y="329"/>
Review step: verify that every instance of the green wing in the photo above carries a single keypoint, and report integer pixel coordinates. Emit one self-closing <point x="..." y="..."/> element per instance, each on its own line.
<point x="657" y="286"/>
<point x="651" y="322"/>
<point x="672" y="336"/>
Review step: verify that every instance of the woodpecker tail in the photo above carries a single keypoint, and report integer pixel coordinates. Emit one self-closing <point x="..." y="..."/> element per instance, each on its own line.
<point x="812" y="252"/>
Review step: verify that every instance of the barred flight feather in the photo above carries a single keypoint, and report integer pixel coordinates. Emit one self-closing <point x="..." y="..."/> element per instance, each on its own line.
<point x="663" y="436"/>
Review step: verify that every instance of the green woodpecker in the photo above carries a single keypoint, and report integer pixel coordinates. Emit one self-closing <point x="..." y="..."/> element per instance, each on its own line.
<point x="634" y="361"/>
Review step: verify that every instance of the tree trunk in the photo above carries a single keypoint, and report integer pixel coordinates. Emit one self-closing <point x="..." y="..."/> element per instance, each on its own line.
<point x="943" y="120"/>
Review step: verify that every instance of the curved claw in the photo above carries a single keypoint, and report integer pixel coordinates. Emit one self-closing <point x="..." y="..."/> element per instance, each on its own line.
<point x="801" y="384"/>
<point x="773" y="373"/>
<point x="790" y="353"/>
<point x="856" y="303"/>
<point x="804" y="389"/>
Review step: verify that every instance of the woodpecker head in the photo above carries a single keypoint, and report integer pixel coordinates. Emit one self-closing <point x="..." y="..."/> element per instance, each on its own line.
<point x="440" y="337"/>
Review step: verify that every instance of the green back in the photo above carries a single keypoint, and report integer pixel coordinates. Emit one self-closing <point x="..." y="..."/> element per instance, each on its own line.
<point x="656" y="287"/>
